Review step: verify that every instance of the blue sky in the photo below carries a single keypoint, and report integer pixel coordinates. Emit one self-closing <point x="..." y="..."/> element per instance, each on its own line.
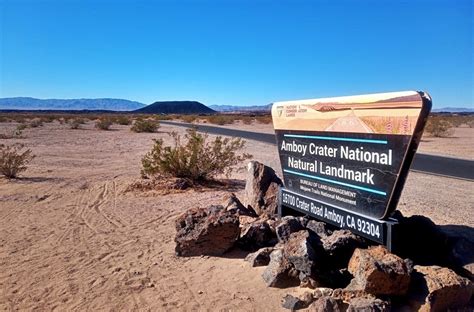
<point x="236" y="52"/>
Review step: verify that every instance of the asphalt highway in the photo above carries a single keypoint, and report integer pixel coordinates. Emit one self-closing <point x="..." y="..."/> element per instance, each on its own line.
<point x="426" y="163"/>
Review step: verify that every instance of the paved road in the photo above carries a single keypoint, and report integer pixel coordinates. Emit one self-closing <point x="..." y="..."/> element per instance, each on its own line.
<point x="432" y="164"/>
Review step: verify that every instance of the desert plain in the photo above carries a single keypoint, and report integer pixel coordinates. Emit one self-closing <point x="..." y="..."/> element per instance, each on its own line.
<point x="74" y="237"/>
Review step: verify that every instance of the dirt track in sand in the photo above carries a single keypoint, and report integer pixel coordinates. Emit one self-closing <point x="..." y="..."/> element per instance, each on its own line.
<point x="71" y="238"/>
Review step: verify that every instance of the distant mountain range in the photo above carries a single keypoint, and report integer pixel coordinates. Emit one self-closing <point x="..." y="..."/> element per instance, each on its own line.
<point x="176" y="107"/>
<point x="453" y="110"/>
<point x="164" y="107"/>
<point x="28" y="103"/>
<point x="234" y="108"/>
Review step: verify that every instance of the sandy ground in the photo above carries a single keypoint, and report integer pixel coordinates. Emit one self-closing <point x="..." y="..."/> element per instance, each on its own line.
<point x="71" y="238"/>
<point x="460" y="144"/>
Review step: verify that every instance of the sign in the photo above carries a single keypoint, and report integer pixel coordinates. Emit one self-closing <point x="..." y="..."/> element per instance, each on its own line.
<point x="349" y="155"/>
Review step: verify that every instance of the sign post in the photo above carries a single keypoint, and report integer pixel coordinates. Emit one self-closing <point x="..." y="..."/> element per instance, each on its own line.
<point x="345" y="159"/>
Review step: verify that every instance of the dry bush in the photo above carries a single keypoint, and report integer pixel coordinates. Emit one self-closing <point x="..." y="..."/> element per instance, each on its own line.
<point x="14" y="160"/>
<point x="21" y="127"/>
<point x="162" y="117"/>
<point x="47" y="119"/>
<point x="145" y="125"/>
<point x="247" y="120"/>
<point x="264" y="119"/>
<point x="103" y="124"/>
<point x="195" y="159"/>
<point x="188" y="118"/>
<point x="15" y="134"/>
<point x="123" y="120"/>
<point x="76" y="123"/>
<point x="35" y="123"/>
<point x="439" y="127"/>
<point x="221" y="119"/>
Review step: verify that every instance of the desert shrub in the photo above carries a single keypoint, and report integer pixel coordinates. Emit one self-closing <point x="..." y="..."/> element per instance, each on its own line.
<point x="21" y="127"/>
<point x="162" y="117"/>
<point x="14" y="159"/>
<point x="194" y="158"/>
<point x="47" y="119"/>
<point x="16" y="134"/>
<point x="123" y="120"/>
<point x="188" y="118"/>
<point x="76" y="123"/>
<point x="103" y="124"/>
<point x="247" y="120"/>
<point x="35" y="123"/>
<point x="221" y="119"/>
<point x="264" y="119"/>
<point x="145" y="125"/>
<point x="439" y="127"/>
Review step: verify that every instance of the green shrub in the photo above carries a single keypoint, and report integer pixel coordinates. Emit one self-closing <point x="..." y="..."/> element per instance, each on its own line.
<point x="103" y="124"/>
<point x="14" y="160"/>
<point x="145" y="125"/>
<point x="196" y="159"/>
<point x="439" y="127"/>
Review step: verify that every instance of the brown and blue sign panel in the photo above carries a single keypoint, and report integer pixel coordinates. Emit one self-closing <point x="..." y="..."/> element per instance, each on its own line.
<point x="345" y="159"/>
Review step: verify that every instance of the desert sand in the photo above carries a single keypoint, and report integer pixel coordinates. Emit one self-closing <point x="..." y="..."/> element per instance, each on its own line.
<point x="73" y="238"/>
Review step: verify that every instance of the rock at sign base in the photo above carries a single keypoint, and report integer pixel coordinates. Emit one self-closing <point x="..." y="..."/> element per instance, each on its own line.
<point x="303" y="250"/>
<point x="261" y="188"/>
<point x="232" y="203"/>
<point x="206" y="231"/>
<point x="378" y="272"/>
<point x="438" y="289"/>
<point x="294" y="303"/>
<point x="325" y="304"/>
<point x="286" y="227"/>
<point x="256" y="235"/>
<point x="277" y="273"/>
<point x="368" y="304"/>
<point x="259" y="258"/>
<point x="340" y="246"/>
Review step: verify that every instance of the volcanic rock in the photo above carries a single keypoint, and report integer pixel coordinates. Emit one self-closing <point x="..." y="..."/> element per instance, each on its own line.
<point x="259" y="258"/>
<point x="318" y="228"/>
<point x="279" y="272"/>
<point x="256" y="235"/>
<point x="294" y="303"/>
<point x="368" y="305"/>
<point x="206" y="231"/>
<point x="261" y="188"/>
<point x="340" y="246"/>
<point x="438" y="289"/>
<point x="286" y="227"/>
<point x="232" y="203"/>
<point x="377" y="271"/>
<point x="304" y="252"/>
<point x="325" y="304"/>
